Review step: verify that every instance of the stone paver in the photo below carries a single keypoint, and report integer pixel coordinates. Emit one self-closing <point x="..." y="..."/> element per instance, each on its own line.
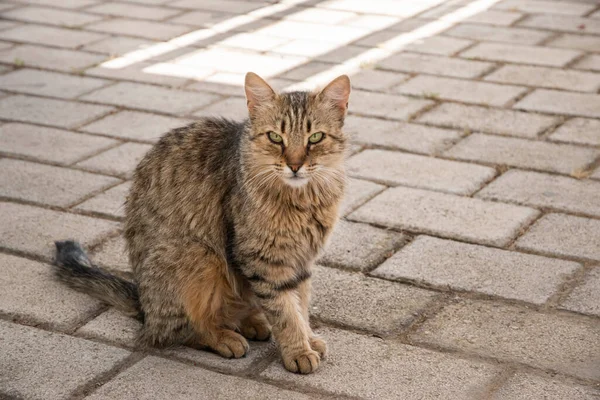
<point x="63" y="18"/>
<point x="435" y="65"/>
<point x="542" y="7"/>
<point x="492" y="120"/>
<point x="461" y="90"/>
<point x="352" y="300"/>
<point x="527" y="386"/>
<point x="133" y="11"/>
<point x="112" y="254"/>
<point x="466" y="267"/>
<point x="47" y="35"/>
<point x="563" y="235"/>
<point x="563" y="23"/>
<point x="446" y="215"/>
<point x="132" y="73"/>
<point x="110" y="202"/>
<point x="135" y="125"/>
<point x="30" y="293"/>
<point x="561" y="158"/>
<point x="578" y="130"/>
<point x="386" y="105"/>
<point x="579" y="42"/>
<point x="394" y="168"/>
<point x="375" y="369"/>
<point x="70" y="4"/>
<point x="49" y="144"/>
<point x="360" y="247"/>
<point x="546" y="77"/>
<point x="228" y="6"/>
<point x="555" y="101"/>
<point x="498" y="34"/>
<point x="556" y="342"/>
<point x="586" y="297"/>
<point x="358" y="192"/>
<point x="377" y="80"/>
<point x="59" y="113"/>
<point x="495" y="17"/>
<point x="151" y="98"/>
<point x="33" y="230"/>
<point x="112" y="326"/>
<point x="399" y="135"/>
<point x="139" y="28"/>
<point x="118" y="45"/>
<point x="44" y="365"/>
<point x="52" y="84"/>
<point x="120" y="161"/>
<point x="513" y="53"/>
<point x="51" y="58"/>
<point x="591" y="62"/>
<point x="234" y="108"/>
<point x="24" y="180"/>
<point x="543" y="190"/>
<point x="440" y="45"/>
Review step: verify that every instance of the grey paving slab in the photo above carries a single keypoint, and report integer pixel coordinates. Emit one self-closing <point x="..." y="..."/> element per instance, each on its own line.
<point x="133" y="11"/>
<point x="372" y="368"/>
<point x="578" y="42"/>
<point x="118" y="45"/>
<point x="543" y="190"/>
<point x="551" y="157"/>
<point x="495" y="17"/>
<point x="49" y="144"/>
<point x="155" y="377"/>
<point x="33" y="230"/>
<point x="578" y="130"/>
<point x="234" y="108"/>
<point x="111" y="202"/>
<point x="112" y="254"/>
<point x="395" y="168"/>
<point x="492" y="120"/>
<point x="70" y="4"/>
<point x="514" y="53"/>
<point x="560" y="102"/>
<point x="228" y="6"/>
<point x="585" y="298"/>
<point x="45" y="365"/>
<point x="543" y="7"/>
<point x="466" y="267"/>
<point x="63" y="114"/>
<point x="43" y="15"/>
<point x="590" y="62"/>
<point x="498" y="34"/>
<point x="557" y="342"/>
<point x="51" y="36"/>
<point x="112" y="326"/>
<point x="528" y="386"/>
<point x="52" y="84"/>
<point x="136" y="73"/>
<point x="46" y="184"/>
<point x="563" y="23"/>
<point x="551" y="78"/>
<point x="139" y="28"/>
<point x="360" y="247"/>
<point x="435" y="65"/>
<point x="51" y="58"/>
<point x="357" y="192"/>
<point x="440" y="45"/>
<point x="32" y="294"/>
<point x="385" y="105"/>
<point x="119" y="161"/>
<point x="202" y="19"/>
<point x="376" y="80"/>
<point x="446" y="215"/>
<point x="563" y="235"/>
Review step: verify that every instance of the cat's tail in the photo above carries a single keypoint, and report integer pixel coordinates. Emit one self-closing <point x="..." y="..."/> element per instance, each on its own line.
<point x="74" y="268"/>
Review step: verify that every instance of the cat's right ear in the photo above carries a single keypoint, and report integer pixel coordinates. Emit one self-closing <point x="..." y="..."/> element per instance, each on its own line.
<point x="257" y="91"/>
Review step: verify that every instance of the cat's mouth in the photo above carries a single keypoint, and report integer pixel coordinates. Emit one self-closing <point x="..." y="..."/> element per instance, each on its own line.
<point x="296" y="180"/>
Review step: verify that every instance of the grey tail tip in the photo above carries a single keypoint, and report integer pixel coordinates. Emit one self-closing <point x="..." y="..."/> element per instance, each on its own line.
<point x="64" y="246"/>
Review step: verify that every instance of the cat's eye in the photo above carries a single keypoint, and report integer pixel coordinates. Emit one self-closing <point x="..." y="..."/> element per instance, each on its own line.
<point x="316" y="137"/>
<point x="275" y="137"/>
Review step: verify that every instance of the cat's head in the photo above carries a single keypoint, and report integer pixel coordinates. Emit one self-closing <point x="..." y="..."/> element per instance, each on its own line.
<point x="297" y="137"/>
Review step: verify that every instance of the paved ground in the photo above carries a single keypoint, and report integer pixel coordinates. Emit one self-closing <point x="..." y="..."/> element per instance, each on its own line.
<point x="468" y="262"/>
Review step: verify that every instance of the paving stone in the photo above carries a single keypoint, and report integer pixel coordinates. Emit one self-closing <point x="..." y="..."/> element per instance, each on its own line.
<point x="135" y="27"/>
<point x="360" y="247"/>
<point x="203" y="19"/>
<point x="46" y="57"/>
<point x="47" y="184"/>
<point x="234" y="108"/>
<point x="60" y="113"/>
<point x="526" y="386"/>
<point x="33" y="230"/>
<point x="228" y="6"/>
<point x="563" y="235"/>
<point x="133" y="11"/>
<point x="460" y="90"/>
<point x="135" y="125"/>
<point x="357" y="193"/>
<point x="579" y="42"/>
<point x="30" y="293"/>
<point x="563" y="23"/>
<point x="434" y="65"/>
<point x="71" y="4"/>
<point x="370" y="79"/>
<point x="386" y="105"/>
<point x="466" y="267"/>
<point x="7" y="24"/>
<point x="112" y="254"/>
<point x="495" y="17"/>
<point x="399" y="135"/>
<point x="137" y="73"/>
<point x="543" y="7"/>
<point x="586" y="297"/>
<point x="120" y="160"/>
<point x="557" y="342"/>
<point x="49" y="144"/>
<point x="591" y="62"/>
<point x="152" y="98"/>
<point x="46" y="365"/>
<point x="578" y="130"/>
<point x="552" y="157"/>
<point x="514" y="53"/>
<point x="446" y="215"/>
<point x="51" y="16"/>
<point x="371" y="368"/>
<point x="560" y="102"/>
<point x="440" y="45"/>
<point x="52" y="36"/>
<point x="355" y="301"/>
<point x="497" y="34"/>
<point x="118" y="45"/>
<point x="305" y="71"/>
<point x="395" y="168"/>
<point x="492" y="120"/>
<point x="225" y="89"/>
<point x="111" y="202"/>
<point x="543" y="190"/>
<point x="112" y="326"/>
<point x="46" y="83"/>
<point x="546" y="77"/>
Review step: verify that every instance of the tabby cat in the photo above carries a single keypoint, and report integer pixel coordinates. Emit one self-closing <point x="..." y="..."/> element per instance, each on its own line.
<point x="223" y="223"/>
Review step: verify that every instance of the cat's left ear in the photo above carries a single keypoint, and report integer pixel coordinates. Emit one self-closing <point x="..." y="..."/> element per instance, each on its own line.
<point x="337" y="92"/>
<point x="257" y="91"/>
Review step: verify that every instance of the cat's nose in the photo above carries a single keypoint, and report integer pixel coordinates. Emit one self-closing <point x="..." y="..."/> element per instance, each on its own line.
<point x="295" y="167"/>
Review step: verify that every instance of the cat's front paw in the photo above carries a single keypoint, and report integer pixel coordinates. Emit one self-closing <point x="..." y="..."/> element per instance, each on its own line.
<point x="256" y="327"/>
<point x="230" y="344"/>
<point x="303" y="362"/>
<point x="318" y="345"/>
